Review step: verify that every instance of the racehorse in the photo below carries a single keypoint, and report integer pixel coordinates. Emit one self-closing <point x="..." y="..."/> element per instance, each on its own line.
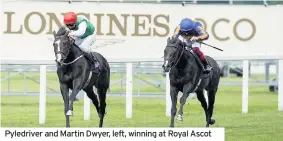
<point x="186" y="76"/>
<point x="74" y="72"/>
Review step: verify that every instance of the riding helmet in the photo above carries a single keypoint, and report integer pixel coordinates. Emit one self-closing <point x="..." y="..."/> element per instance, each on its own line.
<point x="70" y="18"/>
<point x="186" y="25"/>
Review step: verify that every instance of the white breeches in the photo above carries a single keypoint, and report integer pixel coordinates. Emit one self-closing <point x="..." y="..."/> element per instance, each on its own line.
<point x="86" y="43"/>
<point x="190" y="43"/>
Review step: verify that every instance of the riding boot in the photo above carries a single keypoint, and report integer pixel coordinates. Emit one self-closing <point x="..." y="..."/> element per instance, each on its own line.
<point x="207" y="67"/>
<point x="94" y="62"/>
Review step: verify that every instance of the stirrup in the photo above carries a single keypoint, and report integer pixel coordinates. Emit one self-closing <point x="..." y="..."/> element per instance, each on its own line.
<point x="95" y="67"/>
<point x="207" y="69"/>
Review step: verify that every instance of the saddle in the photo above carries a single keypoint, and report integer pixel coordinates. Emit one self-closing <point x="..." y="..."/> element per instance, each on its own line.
<point x="95" y="67"/>
<point x="203" y="75"/>
<point x="92" y="59"/>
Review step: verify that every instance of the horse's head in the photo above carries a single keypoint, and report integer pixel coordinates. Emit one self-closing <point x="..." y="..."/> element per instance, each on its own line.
<point x="172" y="53"/>
<point x="62" y="44"/>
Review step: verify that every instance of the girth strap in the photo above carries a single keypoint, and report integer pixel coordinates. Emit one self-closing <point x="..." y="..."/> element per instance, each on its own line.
<point x="88" y="79"/>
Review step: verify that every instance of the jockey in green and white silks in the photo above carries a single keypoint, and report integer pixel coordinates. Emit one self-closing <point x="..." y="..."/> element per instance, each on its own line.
<point x="83" y="32"/>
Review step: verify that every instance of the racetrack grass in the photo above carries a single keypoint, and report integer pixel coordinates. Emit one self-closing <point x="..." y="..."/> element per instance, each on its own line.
<point x="262" y="123"/>
<point x="18" y="84"/>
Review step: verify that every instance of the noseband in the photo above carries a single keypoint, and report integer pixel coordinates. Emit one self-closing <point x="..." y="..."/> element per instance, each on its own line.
<point x="183" y="49"/>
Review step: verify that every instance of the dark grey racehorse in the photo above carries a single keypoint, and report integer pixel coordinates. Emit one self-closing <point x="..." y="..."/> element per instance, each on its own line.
<point x="74" y="72"/>
<point x="187" y="77"/>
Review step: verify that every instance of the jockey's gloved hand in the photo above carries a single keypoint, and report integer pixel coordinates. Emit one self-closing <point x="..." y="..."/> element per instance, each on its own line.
<point x="71" y="35"/>
<point x="194" y="38"/>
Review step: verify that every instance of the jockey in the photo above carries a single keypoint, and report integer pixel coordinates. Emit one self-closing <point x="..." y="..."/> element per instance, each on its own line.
<point x="193" y="32"/>
<point x="83" y="32"/>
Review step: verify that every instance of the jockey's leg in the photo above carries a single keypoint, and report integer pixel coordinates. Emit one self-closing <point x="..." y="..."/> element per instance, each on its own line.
<point x="196" y="48"/>
<point x="86" y="47"/>
<point x="78" y="41"/>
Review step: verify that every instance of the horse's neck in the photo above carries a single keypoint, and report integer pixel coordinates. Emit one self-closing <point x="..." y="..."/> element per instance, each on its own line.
<point x="74" y="53"/>
<point x="183" y="62"/>
<point x="186" y="60"/>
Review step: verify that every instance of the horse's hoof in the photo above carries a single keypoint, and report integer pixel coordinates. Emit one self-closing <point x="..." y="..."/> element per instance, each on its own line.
<point x="171" y="126"/>
<point x="70" y="113"/>
<point x="179" y="117"/>
<point x="212" y="121"/>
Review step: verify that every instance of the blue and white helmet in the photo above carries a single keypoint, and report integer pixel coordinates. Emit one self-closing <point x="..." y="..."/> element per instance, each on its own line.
<point x="186" y="25"/>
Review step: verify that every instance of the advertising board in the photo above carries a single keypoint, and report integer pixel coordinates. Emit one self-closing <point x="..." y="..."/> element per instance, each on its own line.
<point x="141" y="30"/>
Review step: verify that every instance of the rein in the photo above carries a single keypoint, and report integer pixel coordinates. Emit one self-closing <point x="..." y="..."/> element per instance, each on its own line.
<point x="77" y="58"/>
<point x="71" y="61"/>
<point x="183" y="48"/>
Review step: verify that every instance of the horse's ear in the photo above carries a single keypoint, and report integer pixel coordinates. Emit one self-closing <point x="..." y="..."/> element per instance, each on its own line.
<point x="54" y="33"/>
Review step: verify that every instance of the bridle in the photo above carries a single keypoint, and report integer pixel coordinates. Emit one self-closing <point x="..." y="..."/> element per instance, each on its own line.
<point x="71" y="41"/>
<point x="179" y="56"/>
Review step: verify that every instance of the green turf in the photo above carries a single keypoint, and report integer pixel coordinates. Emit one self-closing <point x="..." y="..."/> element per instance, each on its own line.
<point x="17" y="82"/>
<point x="262" y="123"/>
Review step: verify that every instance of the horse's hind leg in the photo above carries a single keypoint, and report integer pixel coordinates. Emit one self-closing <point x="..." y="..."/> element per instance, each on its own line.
<point x="202" y="100"/>
<point x="211" y="100"/>
<point x="90" y="93"/>
<point x="102" y="99"/>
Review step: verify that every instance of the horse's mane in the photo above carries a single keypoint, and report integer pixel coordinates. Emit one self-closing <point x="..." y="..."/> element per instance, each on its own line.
<point x="175" y="41"/>
<point x="62" y="30"/>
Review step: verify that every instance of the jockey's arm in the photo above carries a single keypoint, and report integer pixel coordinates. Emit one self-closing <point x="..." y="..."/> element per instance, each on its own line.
<point x="203" y="35"/>
<point x="81" y="30"/>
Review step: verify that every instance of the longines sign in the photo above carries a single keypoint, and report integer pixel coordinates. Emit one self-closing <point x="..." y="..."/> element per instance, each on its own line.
<point x="144" y="24"/>
<point x="229" y="26"/>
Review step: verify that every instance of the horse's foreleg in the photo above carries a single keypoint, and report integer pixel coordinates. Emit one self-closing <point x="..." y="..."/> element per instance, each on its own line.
<point x="182" y="103"/>
<point x="174" y="95"/>
<point x="186" y="93"/>
<point x="65" y="94"/>
<point x="72" y="98"/>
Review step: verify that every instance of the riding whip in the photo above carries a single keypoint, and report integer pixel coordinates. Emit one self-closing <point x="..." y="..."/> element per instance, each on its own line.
<point x="211" y="46"/>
